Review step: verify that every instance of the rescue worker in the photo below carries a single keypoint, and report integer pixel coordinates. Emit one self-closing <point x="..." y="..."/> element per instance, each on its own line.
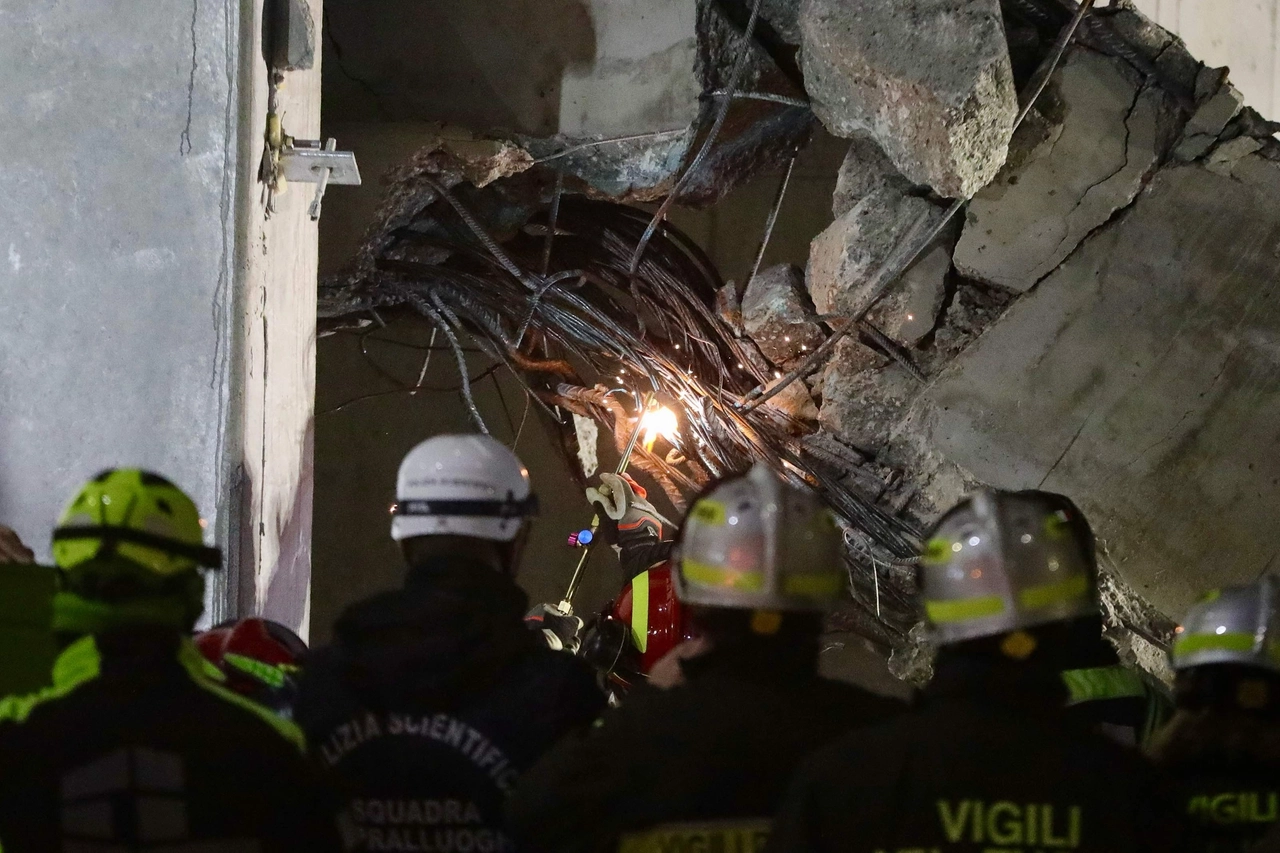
<point x="433" y="698"/>
<point x="137" y="744"/>
<point x="705" y="763"/>
<point x="1222" y="747"/>
<point x="992" y="758"/>
<point x="641" y="537"/>
<point x="260" y="658"/>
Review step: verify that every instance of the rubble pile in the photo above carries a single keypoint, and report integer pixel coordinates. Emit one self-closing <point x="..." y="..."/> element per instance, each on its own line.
<point x="1098" y="320"/>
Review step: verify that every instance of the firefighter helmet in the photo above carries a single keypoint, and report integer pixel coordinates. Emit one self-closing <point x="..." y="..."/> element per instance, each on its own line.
<point x="1001" y="561"/>
<point x="128" y="548"/>
<point x="755" y="542"/>
<point x="1233" y="625"/>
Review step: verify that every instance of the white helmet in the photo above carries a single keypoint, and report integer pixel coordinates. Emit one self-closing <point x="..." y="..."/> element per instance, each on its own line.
<point x="754" y="542"/>
<point x="1235" y="625"/>
<point x="462" y="485"/>
<point x="1000" y="561"/>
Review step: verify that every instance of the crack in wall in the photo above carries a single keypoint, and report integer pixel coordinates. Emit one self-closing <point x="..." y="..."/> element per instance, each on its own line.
<point x="184" y="139"/>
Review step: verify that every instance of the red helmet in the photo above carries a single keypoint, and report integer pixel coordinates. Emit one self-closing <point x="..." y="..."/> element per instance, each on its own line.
<point x="260" y="658"/>
<point x="638" y="628"/>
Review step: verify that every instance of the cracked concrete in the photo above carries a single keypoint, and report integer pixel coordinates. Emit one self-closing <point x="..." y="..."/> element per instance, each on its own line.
<point x="1141" y="377"/>
<point x="1038" y="210"/>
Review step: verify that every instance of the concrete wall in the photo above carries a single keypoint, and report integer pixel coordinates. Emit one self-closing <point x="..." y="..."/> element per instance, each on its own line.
<point x="117" y="230"/>
<point x="1243" y="34"/>
<point x="532" y="66"/>
<point x="140" y="278"/>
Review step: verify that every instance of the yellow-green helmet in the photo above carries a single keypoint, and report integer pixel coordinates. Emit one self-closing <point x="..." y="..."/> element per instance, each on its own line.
<point x="129" y="546"/>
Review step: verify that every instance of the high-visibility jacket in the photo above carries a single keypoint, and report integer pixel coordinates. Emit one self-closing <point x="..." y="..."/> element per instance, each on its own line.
<point x="27" y="646"/>
<point x="1224" y="768"/>
<point x="136" y="745"/>
<point x="991" y="759"/>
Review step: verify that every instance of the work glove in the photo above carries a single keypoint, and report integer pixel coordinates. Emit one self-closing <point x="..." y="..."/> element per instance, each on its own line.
<point x="560" y="628"/>
<point x="11" y="548"/>
<point x="641" y="535"/>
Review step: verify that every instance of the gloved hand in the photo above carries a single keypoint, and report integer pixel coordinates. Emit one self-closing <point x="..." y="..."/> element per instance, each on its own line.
<point x="11" y="548"/>
<point x="561" y="629"/>
<point x="630" y="523"/>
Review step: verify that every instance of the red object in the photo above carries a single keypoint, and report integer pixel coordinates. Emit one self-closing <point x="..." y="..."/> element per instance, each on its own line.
<point x="258" y="639"/>
<point x="662" y="624"/>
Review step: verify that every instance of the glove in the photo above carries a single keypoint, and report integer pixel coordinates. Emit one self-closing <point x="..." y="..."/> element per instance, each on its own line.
<point x="559" y="628"/>
<point x="11" y="548"/>
<point x="630" y="523"/>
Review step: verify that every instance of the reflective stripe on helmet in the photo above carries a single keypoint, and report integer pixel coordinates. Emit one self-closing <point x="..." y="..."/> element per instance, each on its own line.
<point x="1068" y="589"/>
<point x="798" y="583"/>
<point x="509" y="508"/>
<point x="964" y="610"/>
<point x="708" y="511"/>
<point x="269" y="674"/>
<point x="640" y="611"/>
<point x="709" y="575"/>
<point x="1231" y="641"/>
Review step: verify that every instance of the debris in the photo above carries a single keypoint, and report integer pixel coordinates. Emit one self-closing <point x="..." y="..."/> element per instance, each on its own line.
<point x="861" y="406"/>
<point x="795" y="401"/>
<point x="1140" y="379"/>
<point x="1223" y="159"/>
<point x="875" y="208"/>
<point x="1210" y="118"/>
<point x="929" y="79"/>
<point x="1020" y="227"/>
<point x="778" y="316"/>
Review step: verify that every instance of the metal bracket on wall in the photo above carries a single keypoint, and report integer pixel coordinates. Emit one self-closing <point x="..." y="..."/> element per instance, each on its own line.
<point x="305" y="161"/>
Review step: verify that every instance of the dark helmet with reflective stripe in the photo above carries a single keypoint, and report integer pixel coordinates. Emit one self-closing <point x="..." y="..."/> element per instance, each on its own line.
<point x="1001" y="561"/>
<point x="129" y="546"/>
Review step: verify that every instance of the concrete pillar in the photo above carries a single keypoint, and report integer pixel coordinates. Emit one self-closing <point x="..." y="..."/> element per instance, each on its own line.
<point x="278" y="323"/>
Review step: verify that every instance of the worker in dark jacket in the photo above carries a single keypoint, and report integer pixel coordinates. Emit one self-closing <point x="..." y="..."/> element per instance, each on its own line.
<point x="433" y="698"/>
<point x="704" y="764"/>
<point x="137" y="744"/>
<point x="1222" y="747"/>
<point x="991" y="759"/>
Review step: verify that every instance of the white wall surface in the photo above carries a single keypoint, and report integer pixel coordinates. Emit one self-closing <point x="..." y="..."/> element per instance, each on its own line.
<point x="1241" y="34"/>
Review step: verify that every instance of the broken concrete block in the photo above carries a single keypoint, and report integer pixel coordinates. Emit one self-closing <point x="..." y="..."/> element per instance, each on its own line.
<point x="875" y="213"/>
<point x="778" y="316"/>
<point x="1209" y="119"/>
<point x="631" y="120"/>
<point x="1022" y="226"/>
<point x="929" y="79"/>
<point x="1223" y="159"/>
<point x="1140" y="378"/>
<point x="784" y="17"/>
<point x="862" y="406"/>
<point x="288" y="35"/>
<point x="794" y="400"/>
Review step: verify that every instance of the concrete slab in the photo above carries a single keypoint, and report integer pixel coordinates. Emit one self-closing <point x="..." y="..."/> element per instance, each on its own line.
<point x="1143" y="379"/>
<point x="1031" y="217"/>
